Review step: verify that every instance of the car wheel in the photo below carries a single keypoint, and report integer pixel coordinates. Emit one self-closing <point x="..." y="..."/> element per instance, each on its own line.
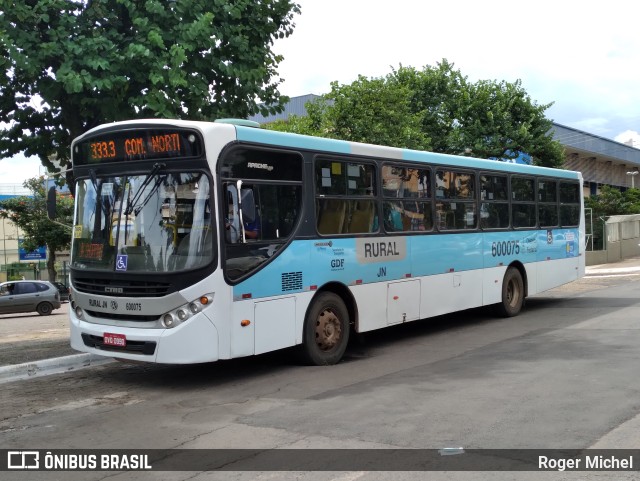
<point x="44" y="308"/>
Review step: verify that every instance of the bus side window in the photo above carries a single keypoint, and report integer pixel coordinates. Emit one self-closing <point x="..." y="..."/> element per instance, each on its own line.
<point x="362" y="216"/>
<point x="331" y="216"/>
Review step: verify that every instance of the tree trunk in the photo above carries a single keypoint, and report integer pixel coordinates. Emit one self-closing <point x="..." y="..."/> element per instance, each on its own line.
<point x="51" y="265"/>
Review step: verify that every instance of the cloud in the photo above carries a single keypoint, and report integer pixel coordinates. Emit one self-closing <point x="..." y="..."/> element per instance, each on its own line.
<point x="17" y="169"/>
<point x="629" y="137"/>
<point x="583" y="57"/>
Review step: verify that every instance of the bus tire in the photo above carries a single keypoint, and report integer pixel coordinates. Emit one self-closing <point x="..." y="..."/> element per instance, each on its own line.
<point x="326" y="331"/>
<point x="512" y="293"/>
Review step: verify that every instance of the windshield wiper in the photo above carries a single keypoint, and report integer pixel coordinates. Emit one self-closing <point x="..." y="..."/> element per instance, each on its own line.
<point x="132" y="203"/>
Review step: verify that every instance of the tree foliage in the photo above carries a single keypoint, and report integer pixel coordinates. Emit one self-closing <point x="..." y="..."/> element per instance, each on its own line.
<point x="611" y="201"/>
<point x="368" y="110"/>
<point x="69" y="65"/>
<point x="29" y="213"/>
<point x="436" y="108"/>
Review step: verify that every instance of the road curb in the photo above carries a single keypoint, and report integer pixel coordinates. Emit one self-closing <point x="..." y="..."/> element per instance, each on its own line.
<point x="54" y="365"/>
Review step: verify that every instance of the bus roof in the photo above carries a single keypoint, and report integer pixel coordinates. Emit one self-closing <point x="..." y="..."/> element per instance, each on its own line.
<point x="306" y="142"/>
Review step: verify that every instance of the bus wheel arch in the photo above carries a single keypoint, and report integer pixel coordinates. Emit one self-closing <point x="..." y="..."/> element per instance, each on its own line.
<point x="514" y="290"/>
<point x="327" y="325"/>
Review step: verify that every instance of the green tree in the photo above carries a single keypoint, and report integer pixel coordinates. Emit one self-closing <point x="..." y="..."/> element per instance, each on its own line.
<point x="368" y="110"/>
<point x="436" y="108"/>
<point x="499" y="120"/>
<point x="485" y="119"/>
<point x="29" y="213"/>
<point x="69" y="65"/>
<point x="632" y="201"/>
<point x="610" y="201"/>
<point x="437" y="96"/>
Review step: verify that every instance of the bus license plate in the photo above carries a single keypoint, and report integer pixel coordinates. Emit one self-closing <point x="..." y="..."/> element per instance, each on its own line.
<point x="118" y="340"/>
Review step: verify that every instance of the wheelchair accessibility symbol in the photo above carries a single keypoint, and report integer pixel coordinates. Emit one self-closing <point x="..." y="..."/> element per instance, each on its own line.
<point x="121" y="263"/>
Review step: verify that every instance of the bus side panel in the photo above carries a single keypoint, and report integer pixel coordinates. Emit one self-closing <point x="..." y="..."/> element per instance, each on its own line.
<point x="302" y="305"/>
<point x="372" y="313"/>
<point x="562" y="248"/>
<point x="531" y="271"/>
<point x="492" y="285"/>
<point x="445" y="293"/>
<point x="445" y="253"/>
<point x="562" y="272"/>
<point x="242" y="337"/>
<point x="275" y="324"/>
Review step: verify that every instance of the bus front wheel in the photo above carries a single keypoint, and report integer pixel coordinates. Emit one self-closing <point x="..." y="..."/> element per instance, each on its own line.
<point x="326" y="330"/>
<point x="512" y="293"/>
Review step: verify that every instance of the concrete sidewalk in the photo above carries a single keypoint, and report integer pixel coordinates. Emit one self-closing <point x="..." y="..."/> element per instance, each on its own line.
<point x="623" y="268"/>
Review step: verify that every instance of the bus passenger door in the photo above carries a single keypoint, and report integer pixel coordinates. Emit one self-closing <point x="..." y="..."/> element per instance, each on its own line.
<point x="275" y="324"/>
<point x="403" y="301"/>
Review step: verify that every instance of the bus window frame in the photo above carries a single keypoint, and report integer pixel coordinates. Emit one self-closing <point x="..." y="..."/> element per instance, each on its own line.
<point x="347" y="200"/>
<point x="507" y="201"/>
<point x="473" y="173"/>
<point x="512" y="202"/>
<point x="383" y="199"/>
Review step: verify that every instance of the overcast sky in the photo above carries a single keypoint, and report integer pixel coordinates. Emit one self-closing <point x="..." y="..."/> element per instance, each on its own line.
<point x="583" y="56"/>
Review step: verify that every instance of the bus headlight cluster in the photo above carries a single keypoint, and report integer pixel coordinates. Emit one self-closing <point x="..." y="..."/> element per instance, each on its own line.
<point x="75" y="307"/>
<point x="181" y="314"/>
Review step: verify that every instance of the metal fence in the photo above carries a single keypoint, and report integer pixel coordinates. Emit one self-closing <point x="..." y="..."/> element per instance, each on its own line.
<point x="620" y="239"/>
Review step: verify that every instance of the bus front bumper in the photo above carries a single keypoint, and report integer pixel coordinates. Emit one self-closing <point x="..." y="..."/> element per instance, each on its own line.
<point x="192" y="342"/>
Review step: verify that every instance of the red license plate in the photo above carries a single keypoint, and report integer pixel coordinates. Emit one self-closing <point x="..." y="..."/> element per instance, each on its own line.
<point x="118" y="340"/>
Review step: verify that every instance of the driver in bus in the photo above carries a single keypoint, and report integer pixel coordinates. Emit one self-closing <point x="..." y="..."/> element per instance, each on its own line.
<point x="252" y="229"/>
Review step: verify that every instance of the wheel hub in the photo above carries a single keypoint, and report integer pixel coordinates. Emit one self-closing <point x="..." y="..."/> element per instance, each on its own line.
<point x="328" y="331"/>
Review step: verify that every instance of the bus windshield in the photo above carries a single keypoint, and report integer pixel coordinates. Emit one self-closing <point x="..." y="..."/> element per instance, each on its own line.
<point x="159" y="222"/>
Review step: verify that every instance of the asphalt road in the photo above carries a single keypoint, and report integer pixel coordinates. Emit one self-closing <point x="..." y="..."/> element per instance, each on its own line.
<point x="561" y="375"/>
<point x="28" y="337"/>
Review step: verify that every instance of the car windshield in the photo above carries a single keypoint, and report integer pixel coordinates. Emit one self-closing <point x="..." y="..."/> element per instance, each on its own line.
<point x="159" y="222"/>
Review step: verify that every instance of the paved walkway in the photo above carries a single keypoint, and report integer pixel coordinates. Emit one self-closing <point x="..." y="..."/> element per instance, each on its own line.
<point x="626" y="267"/>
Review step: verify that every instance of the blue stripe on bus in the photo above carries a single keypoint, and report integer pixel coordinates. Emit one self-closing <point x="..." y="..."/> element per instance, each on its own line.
<point x="327" y="260"/>
<point x="283" y="139"/>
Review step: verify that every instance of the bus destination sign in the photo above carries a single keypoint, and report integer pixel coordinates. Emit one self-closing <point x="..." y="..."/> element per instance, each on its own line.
<point x="137" y="145"/>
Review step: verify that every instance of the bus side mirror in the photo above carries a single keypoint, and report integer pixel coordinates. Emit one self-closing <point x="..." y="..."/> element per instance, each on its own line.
<point x="51" y="203"/>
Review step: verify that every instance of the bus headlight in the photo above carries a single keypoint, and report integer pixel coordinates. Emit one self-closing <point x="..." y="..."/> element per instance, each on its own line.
<point x="78" y="310"/>
<point x="183" y="313"/>
<point x="167" y="320"/>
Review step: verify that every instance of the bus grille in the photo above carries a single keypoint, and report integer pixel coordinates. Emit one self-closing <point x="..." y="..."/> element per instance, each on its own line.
<point x="291" y="281"/>
<point x="121" y="288"/>
<point x="122" y="317"/>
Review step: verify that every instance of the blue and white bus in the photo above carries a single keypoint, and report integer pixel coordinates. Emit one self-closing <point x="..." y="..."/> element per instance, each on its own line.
<point x="199" y="241"/>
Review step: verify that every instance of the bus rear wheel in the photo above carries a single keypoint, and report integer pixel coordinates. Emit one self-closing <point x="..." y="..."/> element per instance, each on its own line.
<point x="326" y="330"/>
<point x="512" y="293"/>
